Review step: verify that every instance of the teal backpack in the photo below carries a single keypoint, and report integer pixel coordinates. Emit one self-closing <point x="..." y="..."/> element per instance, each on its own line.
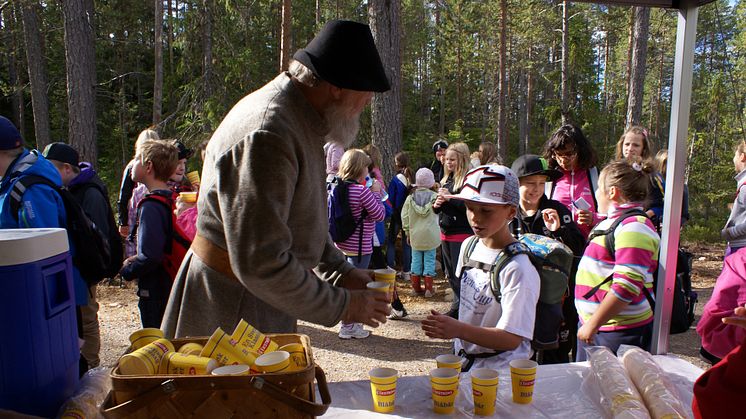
<point x="553" y="261"/>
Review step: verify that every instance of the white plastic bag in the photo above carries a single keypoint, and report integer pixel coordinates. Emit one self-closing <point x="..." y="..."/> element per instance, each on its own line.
<point x="89" y="396"/>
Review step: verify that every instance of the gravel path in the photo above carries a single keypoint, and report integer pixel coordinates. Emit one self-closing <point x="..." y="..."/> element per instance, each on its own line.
<point x="398" y="344"/>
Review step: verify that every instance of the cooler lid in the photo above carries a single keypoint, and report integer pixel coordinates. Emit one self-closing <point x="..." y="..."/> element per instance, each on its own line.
<point x="24" y="245"/>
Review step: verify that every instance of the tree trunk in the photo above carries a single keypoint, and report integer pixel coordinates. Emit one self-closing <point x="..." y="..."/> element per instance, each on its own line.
<point x="502" y="124"/>
<point x="529" y="99"/>
<point x="207" y="50"/>
<point x="286" y="37"/>
<point x="522" y="113"/>
<point x="564" y="93"/>
<point x="158" y="76"/>
<point x="37" y="72"/>
<point x="630" y="46"/>
<point x="606" y="71"/>
<point x="170" y="34"/>
<point x="386" y="123"/>
<point x="441" y="72"/>
<point x="658" y="96"/>
<point x="11" y="27"/>
<point x="318" y="13"/>
<point x="637" y="69"/>
<point x="80" y="62"/>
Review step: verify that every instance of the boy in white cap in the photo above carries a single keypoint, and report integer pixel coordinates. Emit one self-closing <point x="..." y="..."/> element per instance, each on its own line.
<point x="492" y="329"/>
<point x="420" y="224"/>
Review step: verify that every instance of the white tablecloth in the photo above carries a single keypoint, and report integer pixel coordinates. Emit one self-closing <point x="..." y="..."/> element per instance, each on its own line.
<point x="557" y="394"/>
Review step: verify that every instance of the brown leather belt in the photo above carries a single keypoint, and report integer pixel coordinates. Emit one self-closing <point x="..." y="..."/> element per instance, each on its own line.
<point x="213" y="256"/>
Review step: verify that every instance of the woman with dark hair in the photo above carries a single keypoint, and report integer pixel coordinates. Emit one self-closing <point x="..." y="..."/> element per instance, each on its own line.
<point x="570" y="152"/>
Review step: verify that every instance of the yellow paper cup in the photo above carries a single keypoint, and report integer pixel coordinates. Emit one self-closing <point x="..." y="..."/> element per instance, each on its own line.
<point x="383" y="389"/>
<point x="146" y="360"/>
<point x="188" y="197"/>
<point x="249" y="340"/>
<point x="297" y="356"/>
<point x="444" y="382"/>
<point x="191" y="348"/>
<point x="231" y="370"/>
<point x="381" y="286"/>
<point x="193" y="177"/>
<point x="449" y="361"/>
<point x="273" y="362"/>
<point x="385" y="275"/>
<point x="145" y="336"/>
<point x="484" y="390"/>
<point x="523" y="376"/>
<point x="221" y="348"/>
<point x="175" y="363"/>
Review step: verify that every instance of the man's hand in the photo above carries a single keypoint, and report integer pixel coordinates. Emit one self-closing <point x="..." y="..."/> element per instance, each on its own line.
<point x="124" y="231"/>
<point x="357" y="279"/>
<point x="368" y="307"/>
<point x="440" y="326"/>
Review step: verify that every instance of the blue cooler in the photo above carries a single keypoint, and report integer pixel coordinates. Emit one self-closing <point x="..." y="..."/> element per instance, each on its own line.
<point x="39" y="350"/>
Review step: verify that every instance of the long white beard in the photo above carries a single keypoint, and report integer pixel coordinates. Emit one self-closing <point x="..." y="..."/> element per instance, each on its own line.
<point x="342" y="129"/>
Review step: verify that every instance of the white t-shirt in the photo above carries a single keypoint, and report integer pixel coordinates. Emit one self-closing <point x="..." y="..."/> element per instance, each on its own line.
<point x="519" y="285"/>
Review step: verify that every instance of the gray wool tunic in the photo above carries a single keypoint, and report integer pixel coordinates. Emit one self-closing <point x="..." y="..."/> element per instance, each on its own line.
<point x="263" y="199"/>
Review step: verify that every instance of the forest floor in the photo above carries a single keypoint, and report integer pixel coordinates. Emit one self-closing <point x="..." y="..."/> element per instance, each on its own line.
<point x="399" y="344"/>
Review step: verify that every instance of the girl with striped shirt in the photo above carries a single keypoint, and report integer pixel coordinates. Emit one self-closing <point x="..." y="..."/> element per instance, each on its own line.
<point x="353" y="169"/>
<point x="618" y="312"/>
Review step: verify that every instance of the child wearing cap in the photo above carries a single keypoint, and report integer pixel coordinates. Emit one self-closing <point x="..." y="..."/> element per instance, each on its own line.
<point x="538" y="214"/>
<point x="490" y="332"/>
<point x="420" y="224"/>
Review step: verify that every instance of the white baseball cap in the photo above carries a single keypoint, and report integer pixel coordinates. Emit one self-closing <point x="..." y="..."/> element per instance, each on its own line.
<point x="490" y="184"/>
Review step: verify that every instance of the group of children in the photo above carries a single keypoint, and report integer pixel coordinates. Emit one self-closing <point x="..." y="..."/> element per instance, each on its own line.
<point x="496" y="204"/>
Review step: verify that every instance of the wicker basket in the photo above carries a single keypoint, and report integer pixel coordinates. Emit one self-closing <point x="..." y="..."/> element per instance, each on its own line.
<point x="281" y="395"/>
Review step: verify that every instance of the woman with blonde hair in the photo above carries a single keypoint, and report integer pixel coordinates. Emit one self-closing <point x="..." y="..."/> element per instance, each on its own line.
<point x="454" y="226"/>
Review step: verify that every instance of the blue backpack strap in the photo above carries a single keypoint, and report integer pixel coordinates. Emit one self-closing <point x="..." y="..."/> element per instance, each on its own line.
<point x="20" y="187"/>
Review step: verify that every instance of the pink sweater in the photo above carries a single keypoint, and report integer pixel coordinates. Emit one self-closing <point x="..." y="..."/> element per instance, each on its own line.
<point x="730" y="292"/>
<point x="361" y="197"/>
<point x="571" y="186"/>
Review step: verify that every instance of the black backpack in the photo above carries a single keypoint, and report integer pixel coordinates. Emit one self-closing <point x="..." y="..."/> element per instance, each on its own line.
<point x="116" y="249"/>
<point x="341" y="222"/>
<point x="92" y="257"/>
<point x="684" y="299"/>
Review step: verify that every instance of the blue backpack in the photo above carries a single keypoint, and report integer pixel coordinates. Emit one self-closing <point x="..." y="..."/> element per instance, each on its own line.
<point x="341" y="222"/>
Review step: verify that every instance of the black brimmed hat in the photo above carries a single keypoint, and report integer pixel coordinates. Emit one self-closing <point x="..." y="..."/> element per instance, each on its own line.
<point x="184" y="151"/>
<point x="344" y="54"/>
<point x="531" y="164"/>
<point x="440" y="144"/>
<point x="61" y="152"/>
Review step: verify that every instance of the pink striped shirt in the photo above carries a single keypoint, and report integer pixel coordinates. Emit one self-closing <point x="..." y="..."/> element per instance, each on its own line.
<point x="361" y="197"/>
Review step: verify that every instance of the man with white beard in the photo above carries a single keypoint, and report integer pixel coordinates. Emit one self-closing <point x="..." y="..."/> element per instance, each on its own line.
<point x="262" y="251"/>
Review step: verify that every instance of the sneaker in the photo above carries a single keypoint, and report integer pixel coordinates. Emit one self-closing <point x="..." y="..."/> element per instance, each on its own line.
<point x="429" y="293"/>
<point x="406" y="276"/>
<point x="398" y="314"/>
<point x="353" y="331"/>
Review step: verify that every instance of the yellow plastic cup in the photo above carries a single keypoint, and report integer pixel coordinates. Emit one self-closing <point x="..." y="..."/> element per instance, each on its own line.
<point x="381" y="286"/>
<point x="146" y="360"/>
<point x="484" y="390"/>
<point x="145" y="336"/>
<point x="273" y="362"/>
<point x="444" y="382"/>
<point x="523" y="376"/>
<point x="383" y="389"/>
<point x="297" y="356"/>
<point x="175" y="363"/>
<point x="385" y="275"/>
<point x="221" y="348"/>
<point x="191" y="348"/>
<point x="249" y="340"/>
<point x="193" y="177"/>
<point x="449" y="361"/>
<point x="188" y="197"/>
<point x="232" y="370"/>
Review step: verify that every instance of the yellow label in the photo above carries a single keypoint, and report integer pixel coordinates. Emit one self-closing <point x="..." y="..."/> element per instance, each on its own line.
<point x="249" y="340"/>
<point x="221" y="348"/>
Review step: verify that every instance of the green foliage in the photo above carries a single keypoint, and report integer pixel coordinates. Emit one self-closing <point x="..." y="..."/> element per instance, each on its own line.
<point x="449" y="76"/>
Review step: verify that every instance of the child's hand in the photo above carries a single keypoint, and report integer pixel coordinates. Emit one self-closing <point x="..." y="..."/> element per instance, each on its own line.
<point x="551" y="219"/>
<point x="586" y="333"/>
<point x="585" y="217"/>
<point x="376" y="186"/>
<point x="124" y="231"/>
<point x="440" y="326"/>
<point x="739" y="319"/>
